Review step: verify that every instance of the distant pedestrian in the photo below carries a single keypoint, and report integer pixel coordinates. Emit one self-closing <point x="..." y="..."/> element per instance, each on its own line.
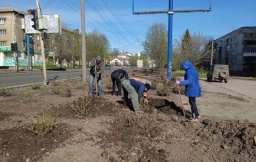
<point x="192" y="87"/>
<point x="135" y="90"/>
<point x="97" y="66"/>
<point x="116" y="77"/>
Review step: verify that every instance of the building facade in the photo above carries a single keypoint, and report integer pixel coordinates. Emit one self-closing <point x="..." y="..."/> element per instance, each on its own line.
<point x="12" y="30"/>
<point x="238" y="50"/>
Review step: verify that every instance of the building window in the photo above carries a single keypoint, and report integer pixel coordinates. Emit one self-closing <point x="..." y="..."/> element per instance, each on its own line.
<point x="3" y="43"/>
<point x="2" y="20"/>
<point x="2" y="32"/>
<point x="227" y="41"/>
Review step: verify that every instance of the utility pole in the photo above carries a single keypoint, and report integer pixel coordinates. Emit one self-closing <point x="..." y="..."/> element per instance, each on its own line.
<point x="43" y="57"/>
<point x="40" y="29"/>
<point x="170" y="13"/>
<point x="83" y="42"/>
<point x="139" y="49"/>
<point x="212" y="54"/>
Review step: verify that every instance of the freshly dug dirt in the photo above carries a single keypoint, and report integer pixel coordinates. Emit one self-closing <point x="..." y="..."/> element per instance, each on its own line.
<point x="110" y="131"/>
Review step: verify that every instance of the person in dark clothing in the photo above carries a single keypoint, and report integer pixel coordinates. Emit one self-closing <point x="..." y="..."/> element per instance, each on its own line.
<point x="97" y="66"/>
<point x="116" y="77"/>
<point x="192" y="87"/>
<point x="135" y="90"/>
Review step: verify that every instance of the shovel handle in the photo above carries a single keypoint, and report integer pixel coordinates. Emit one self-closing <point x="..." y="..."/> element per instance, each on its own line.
<point x="181" y="103"/>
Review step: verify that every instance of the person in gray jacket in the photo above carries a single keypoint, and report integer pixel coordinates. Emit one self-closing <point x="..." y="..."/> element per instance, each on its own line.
<point x="97" y="66"/>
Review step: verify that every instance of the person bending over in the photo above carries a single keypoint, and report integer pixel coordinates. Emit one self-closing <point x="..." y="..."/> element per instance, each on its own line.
<point x="135" y="90"/>
<point x="116" y="77"/>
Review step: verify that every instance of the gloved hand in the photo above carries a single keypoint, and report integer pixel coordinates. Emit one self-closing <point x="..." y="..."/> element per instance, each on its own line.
<point x="177" y="82"/>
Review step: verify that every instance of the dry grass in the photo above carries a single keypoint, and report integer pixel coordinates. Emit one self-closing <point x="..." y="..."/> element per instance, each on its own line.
<point x="36" y="86"/>
<point x="82" y="105"/>
<point x="43" y="125"/>
<point x="5" y="92"/>
<point x="29" y="98"/>
<point x="62" y="89"/>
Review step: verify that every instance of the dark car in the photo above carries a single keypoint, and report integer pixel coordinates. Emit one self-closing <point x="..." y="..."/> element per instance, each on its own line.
<point x="107" y="67"/>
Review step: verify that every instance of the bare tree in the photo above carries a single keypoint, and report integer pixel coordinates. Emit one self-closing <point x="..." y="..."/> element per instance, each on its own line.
<point x="193" y="48"/>
<point x="58" y="47"/>
<point x="115" y="52"/>
<point x="73" y="48"/>
<point x="177" y="58"/>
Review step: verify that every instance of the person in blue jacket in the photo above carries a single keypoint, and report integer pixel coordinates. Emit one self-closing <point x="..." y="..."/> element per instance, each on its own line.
<point x="116" y="77"/>
<point x="135" y="90"/>
<point x="192" y="87"/>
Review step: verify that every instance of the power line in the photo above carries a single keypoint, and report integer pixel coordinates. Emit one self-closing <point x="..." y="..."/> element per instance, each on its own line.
<point x="107" y="20"/>
<point x="89" y="16"/>
<point x="116" y="16"/>
<point x="48" y="4"/>
<point x="110" y="27"/>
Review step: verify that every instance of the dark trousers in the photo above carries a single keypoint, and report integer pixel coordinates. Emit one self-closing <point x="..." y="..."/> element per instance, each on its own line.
<point x="119" y="85"/>
<point x="194" y="110"/>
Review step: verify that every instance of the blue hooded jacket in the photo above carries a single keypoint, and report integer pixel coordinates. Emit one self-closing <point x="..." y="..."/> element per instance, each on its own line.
<point x="191" y="80"/>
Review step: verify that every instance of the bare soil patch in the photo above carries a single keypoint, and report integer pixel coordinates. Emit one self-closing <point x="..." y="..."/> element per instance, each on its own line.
<point x="110" y="131"/>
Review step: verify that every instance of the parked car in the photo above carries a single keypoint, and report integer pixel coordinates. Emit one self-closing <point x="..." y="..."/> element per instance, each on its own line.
<point x="218" y="72"/>
<point x="107" y="67"/>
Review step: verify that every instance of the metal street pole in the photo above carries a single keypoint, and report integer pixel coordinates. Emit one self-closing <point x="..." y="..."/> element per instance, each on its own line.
<point x="170" y="24"/>
<point x="28" y="51"/>
<point x="83" y="41"/>
<point x="170" y="13"/>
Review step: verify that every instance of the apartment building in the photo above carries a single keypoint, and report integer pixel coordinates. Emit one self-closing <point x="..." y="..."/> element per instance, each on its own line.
<point x="12" y="29"/>
<point x="238" y="50"/>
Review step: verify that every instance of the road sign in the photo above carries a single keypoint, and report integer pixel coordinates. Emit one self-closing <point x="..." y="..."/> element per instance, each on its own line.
<point x="54" y="25"/>
<point x="139" y="63"/>
<point x="5" y="49"/>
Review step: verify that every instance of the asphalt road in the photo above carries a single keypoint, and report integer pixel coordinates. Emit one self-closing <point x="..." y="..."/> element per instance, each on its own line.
<point x="8" y="79"/>
<point x="233" y="100"/>
<point x="12" y="79"/>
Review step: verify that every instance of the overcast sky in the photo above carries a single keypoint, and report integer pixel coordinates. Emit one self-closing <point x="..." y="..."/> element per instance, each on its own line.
<point x="126" y="31"/>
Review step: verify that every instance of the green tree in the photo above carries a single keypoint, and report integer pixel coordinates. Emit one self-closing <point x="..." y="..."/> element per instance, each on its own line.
<point x="156" y="43"/>
<point x="133" y="60"/>
<point x="96" y="45"/>
<point x="143" y="57"/>
<point x="186" y="43"/>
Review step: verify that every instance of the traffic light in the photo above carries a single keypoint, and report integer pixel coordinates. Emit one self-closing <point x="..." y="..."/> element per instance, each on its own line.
<point x="35" y="19"/>
<point x="14" y="47"/>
